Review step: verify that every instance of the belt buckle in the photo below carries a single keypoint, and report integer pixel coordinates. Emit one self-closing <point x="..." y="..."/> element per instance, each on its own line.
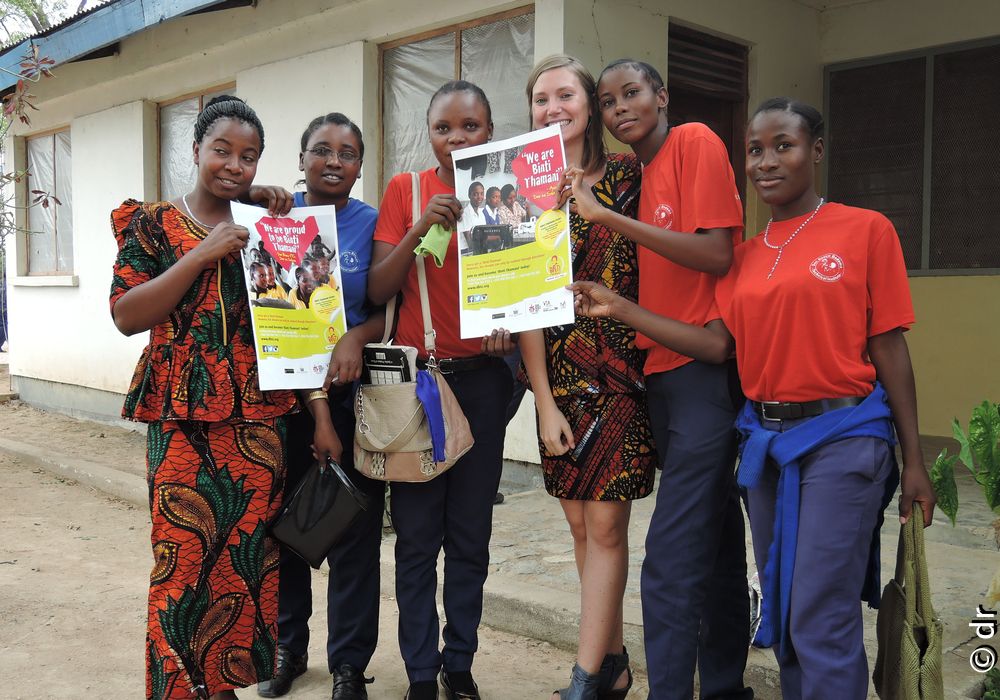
<point x="763" y="409"/>
<point x="443" y="365"/>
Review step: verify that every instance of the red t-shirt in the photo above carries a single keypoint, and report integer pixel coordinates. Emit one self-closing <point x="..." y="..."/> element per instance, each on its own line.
<point x="689" y="185"/>
<point x="802" y="335"/>
<point x="395" y="218"/>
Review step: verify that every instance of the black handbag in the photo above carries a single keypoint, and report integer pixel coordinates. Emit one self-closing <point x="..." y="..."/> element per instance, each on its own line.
<point x="322" y="509"/>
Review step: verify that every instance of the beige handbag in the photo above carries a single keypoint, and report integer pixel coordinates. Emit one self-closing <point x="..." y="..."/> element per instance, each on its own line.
<point x="392" y="438"/>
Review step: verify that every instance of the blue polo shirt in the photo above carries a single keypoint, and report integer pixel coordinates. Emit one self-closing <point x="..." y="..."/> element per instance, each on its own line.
<point x="355" y="228"/>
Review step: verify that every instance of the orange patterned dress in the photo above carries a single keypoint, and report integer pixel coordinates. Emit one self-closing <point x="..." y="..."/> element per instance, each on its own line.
<point x="215" y="467"/>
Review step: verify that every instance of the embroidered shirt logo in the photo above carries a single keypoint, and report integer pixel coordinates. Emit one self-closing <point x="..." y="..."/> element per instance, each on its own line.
<point x="828" y="267"/>
<point x="663" y="216"/>
<point x="349" y="261"/>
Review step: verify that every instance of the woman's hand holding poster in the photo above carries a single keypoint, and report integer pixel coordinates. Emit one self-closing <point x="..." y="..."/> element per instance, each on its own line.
<point x="515" y="257"/>
<point x="293" y="279"/>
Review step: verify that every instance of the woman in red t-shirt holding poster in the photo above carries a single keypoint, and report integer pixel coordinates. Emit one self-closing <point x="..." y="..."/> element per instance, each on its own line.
<point x="695" y="604"/>
<point x="453" y="512"/>
<point x="815" y="307"/>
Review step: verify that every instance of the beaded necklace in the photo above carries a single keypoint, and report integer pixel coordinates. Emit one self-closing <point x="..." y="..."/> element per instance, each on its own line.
<point x="781" y="248"/>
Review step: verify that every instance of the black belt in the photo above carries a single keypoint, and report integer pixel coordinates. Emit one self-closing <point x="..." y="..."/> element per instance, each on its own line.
<point x="781" y="410"/>
<point x="459" y="364"/>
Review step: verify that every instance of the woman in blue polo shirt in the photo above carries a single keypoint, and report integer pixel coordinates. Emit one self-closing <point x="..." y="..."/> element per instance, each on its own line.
<point x="331" y="155"/>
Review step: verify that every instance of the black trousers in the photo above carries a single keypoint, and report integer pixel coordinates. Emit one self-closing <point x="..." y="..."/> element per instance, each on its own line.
<point x="453" y="512"/>
<point x="695" y="603"/>
<point x="353" y="586"/>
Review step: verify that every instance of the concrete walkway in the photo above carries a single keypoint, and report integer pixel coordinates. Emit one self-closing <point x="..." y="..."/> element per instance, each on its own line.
<point x="533" y="589"/>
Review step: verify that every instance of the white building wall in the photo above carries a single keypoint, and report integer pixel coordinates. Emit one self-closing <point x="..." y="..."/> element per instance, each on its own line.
<point x="860" y="31"/>
<point x="65" y="333"/>
<point x="288" y="94"/>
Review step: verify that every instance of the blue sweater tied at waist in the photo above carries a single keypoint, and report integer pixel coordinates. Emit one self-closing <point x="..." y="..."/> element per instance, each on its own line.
<point x="870" y="418"/>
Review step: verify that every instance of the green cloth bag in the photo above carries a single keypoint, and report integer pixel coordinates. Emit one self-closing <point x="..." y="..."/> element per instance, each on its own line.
<point x="909" y="633"/>
<point x="434" y="243"/>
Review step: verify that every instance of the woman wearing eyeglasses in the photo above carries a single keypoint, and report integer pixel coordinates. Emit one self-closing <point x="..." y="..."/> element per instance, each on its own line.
<point x="330" y="159"/>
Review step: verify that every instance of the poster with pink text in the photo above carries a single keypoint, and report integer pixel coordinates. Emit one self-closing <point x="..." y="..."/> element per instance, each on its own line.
<point x="292" y="272"/>
<point x="515" y="256"/>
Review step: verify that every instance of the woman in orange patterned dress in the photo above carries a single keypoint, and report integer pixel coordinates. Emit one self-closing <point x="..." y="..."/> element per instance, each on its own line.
<point x="214" y="448"/>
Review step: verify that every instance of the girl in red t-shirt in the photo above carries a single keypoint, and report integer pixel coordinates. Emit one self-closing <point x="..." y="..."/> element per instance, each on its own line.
<point x="815" y="308"/>
<point x="689" y="219"/>
<point x="455" y="510"/>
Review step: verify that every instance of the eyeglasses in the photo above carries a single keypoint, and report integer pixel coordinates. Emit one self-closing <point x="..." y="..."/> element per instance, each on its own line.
<point x="346" y="157"/>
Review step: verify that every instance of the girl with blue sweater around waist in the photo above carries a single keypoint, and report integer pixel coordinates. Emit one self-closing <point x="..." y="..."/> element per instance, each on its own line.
<point x="815" y="308"/>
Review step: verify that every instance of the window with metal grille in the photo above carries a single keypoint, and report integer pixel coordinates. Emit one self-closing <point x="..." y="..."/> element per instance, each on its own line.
<point x="177" y="169"/>
<point x="496" y="53"/>
<point x="906" y="138"/>
<point x="50" y="221"/>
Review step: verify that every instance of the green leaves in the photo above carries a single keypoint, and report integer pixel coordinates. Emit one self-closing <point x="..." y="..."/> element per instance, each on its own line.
<point x="207" y="332"/>
<point x="991" y="685"/>
<point x="182" y="616"/>
<point x="980" y="453"/>
<point x="248" y="556"/>
<point x="199" y="383"/>
<point x="157" y="442"/>
<point x="262" y="653"/>
<point x="943" y="480"/>
<point x="226" y="498"/>
<point x="159" y="678"/>
<point x="984" y="443"/>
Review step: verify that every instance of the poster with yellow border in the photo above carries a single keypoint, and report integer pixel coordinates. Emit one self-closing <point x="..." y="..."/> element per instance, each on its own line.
<point x="292" y="271"/>
<point x="516" y="258"/>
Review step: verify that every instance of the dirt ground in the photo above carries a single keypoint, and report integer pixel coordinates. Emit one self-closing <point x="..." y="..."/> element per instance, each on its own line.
<point x="74" y="567"/>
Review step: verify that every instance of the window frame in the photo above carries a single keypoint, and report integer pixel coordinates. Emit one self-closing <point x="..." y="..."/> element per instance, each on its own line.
<point x="455" y="29"/>
<point x="27" y="276"/>
<point x="200" y="94"/>
<point x="928" y="54"/>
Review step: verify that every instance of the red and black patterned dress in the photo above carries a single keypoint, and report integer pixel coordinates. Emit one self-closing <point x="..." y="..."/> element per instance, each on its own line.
<point x="215" y="467"/>
<point x="595" y="369"/>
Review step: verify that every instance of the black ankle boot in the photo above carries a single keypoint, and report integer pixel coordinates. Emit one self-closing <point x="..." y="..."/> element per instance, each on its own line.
<point x="612" y="668"/>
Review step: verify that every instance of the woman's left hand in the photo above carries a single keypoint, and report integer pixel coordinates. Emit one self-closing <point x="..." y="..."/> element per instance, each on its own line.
<point x="499" y="343"/>
<point x="278" y="200"/>
<point x="345" y="361"/>
<point x="916" y="486"/>
<point x="593" y="299"/>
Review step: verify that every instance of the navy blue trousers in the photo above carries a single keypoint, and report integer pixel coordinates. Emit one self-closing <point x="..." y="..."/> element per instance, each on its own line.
<point x="695" y="603"/>
<point x="841" y="493"/>
<point x="513" y="362"/>
<point x="453" y="512"/>
<point x="353" y="586"/>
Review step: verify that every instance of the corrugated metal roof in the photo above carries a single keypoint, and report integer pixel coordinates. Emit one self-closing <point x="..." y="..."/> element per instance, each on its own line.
<point x="65" y="20"/>
<point x="93" y="29"/>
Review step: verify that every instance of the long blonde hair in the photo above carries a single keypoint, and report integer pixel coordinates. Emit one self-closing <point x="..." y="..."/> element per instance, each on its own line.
<point x="594" y="151"/>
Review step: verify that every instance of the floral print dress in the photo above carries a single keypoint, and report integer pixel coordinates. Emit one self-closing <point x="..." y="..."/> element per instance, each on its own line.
<point x="215" y="467"/>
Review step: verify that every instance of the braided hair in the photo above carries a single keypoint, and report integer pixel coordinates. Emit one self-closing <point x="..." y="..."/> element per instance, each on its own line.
<point x="811" y="118"/>
<point x="227" y="107"/>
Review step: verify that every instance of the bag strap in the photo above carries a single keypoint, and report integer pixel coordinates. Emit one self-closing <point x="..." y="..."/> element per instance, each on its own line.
<point x="401" y="438"/>
<point x="425" y="304"/>
<point x="923" y="581"/>
<point x="911" y="567"/>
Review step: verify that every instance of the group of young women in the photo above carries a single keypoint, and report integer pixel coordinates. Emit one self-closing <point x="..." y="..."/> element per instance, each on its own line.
<point x="814" y="310"/>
